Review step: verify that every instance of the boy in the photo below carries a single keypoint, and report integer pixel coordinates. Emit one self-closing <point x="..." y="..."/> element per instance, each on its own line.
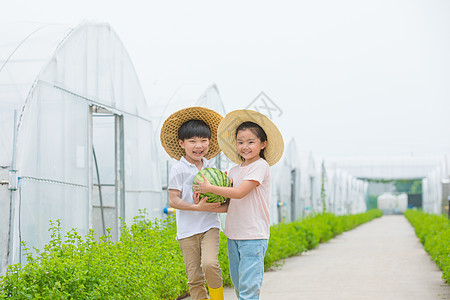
<point x="190" y="136"/>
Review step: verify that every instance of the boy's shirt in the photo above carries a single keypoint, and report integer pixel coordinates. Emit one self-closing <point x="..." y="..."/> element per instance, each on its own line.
<point x="190" y="222"/>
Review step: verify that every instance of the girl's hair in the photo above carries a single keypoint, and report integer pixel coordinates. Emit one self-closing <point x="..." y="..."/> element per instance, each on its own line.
<point x="256" y="130"/>
<point x="194" y="128"/>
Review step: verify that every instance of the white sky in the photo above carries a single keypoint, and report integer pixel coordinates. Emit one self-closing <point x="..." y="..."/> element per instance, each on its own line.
<point x="351" y="77"/>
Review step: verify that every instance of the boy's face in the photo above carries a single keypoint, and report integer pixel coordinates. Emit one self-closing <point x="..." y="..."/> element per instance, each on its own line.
<point x="195" y="148"/>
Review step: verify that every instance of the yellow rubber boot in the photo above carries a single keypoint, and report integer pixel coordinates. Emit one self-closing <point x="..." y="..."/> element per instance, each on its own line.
<point x="216" y="294"/>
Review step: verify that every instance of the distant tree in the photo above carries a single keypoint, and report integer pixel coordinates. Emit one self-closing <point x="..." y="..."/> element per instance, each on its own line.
<point x="403" y="186"/>
<point x="373" y="201"/>
<point x="408" y="186"/>
<point x="416" y="187"/>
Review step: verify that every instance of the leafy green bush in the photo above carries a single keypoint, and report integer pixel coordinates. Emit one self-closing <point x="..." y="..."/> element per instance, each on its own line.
<point x="146" y="263"/>
<point x="223" y="260"/>
<point x="434" y="233"/>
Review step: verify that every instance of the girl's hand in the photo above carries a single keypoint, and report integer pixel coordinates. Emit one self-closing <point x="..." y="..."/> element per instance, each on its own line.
<point x="231" y="180"/>
<point x="202" y="187"/>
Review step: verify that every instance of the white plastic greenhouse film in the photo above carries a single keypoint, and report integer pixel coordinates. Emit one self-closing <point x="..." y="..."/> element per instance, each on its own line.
<point x="52" y="168"/>
<point x="141" y="169"/>
<point x="274" y="196"/>
<point x="283" y="184"/>
<point x="329" y="191"/>
<point x="4" y="220"/>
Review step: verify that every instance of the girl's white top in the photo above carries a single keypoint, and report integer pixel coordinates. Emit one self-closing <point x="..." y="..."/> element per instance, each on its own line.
<point x="248" y="218"/>
<point x="190" y="222"/>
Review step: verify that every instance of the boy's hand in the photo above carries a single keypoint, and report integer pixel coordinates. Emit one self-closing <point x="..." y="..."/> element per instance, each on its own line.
<point x="206" y="206"/>
<point x="202" y="187"/>
<point x="196" y="197"/>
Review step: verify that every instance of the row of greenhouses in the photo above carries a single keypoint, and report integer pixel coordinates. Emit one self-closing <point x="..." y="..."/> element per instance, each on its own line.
<point x="303" y="185"/>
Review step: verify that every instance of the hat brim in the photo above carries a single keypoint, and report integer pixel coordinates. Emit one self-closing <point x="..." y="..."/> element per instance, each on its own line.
<point x="169" y="130"/>
<point x="227" y="135"/>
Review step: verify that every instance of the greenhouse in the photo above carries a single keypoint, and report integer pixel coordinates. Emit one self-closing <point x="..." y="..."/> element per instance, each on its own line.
<point x="344" y="193"/>
<point x="311" y="181"/>
<point x="436" y="188"/>
<point x="76" y="141"/>
<point x="390" y="167"/>
<point x="303" y="185"/>
<point x="286" y="205"/>
<point x="432" y="171"/>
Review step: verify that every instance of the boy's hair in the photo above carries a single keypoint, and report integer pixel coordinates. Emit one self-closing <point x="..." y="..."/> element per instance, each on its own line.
<point x="256" y="130"/>
<point x="194" y="128"/>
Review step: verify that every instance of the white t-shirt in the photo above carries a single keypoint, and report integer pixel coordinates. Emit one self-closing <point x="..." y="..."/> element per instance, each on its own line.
<point x="190" y="222"/>
<point x="248" y="218"/>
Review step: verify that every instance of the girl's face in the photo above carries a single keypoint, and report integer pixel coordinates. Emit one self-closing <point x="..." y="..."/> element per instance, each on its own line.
<point x="249" y="145"/>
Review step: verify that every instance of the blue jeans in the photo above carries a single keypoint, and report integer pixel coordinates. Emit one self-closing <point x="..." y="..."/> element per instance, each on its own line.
<point x="246" y="259"/>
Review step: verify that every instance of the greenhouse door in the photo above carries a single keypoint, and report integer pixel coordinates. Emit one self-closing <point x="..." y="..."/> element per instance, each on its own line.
<point x="107" y="176"/>
<point x="293" y="195"/>
<point x="312" y="205"/>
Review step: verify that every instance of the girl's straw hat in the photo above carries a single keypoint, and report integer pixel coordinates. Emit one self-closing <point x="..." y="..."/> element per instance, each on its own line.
<point x="227" y="135"/>
<point x="169" y="130"/>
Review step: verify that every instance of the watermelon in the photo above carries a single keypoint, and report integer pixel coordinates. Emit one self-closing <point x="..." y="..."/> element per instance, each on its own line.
<point x="215" y="177"/>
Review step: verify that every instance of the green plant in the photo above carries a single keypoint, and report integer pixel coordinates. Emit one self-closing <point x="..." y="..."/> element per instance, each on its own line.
<point x="146" y="263"/>
<point x="223" y="260"/>
<point x="434" y="233"/>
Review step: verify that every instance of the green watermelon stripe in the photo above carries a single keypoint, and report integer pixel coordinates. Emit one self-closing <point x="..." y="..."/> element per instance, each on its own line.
<point x="223" y="178"/>
<point x="211" y="172"/>
<point x="227" y="181"/>
<point x="219" y="175"/>
<point x="215" y="173"/>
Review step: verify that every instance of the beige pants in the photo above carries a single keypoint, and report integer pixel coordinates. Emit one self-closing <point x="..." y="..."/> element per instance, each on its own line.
<point x="200" y="255"/>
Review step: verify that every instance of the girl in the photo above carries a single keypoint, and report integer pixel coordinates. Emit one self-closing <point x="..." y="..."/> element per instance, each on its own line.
<point x="252" y="141"/>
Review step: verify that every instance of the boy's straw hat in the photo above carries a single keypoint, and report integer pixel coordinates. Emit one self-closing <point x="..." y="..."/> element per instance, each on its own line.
<point x="227" y="135"/>
<point x="169" y="130"/>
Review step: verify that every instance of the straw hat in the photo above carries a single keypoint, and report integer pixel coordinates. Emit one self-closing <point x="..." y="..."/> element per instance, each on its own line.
<point x="169" y="130"/>
<point x="227" y="135"/>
